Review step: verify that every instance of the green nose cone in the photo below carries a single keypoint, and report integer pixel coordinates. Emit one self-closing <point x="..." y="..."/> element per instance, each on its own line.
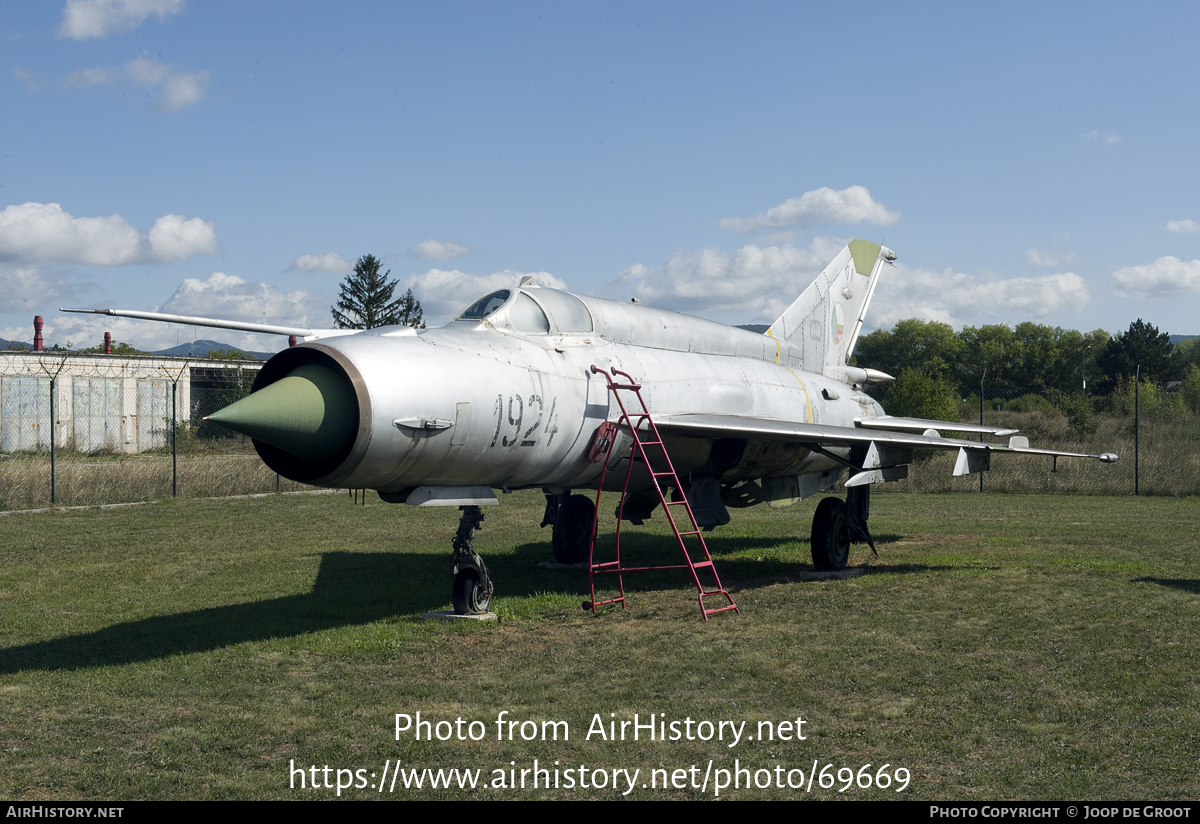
<point x="312" y="413"/>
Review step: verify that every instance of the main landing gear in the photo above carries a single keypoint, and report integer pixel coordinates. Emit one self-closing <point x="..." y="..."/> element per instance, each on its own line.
<point x="837" y="524"/>
<point x="472" y="588"/>
<point x="572" y="518"/>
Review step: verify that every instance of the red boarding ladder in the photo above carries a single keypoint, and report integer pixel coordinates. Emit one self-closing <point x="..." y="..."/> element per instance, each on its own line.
<point x="647" y="443"/>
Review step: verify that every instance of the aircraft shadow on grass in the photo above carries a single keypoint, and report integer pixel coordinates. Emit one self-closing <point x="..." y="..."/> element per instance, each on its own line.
<point x="1191" y="585"/>
<point x="353" y="588"/>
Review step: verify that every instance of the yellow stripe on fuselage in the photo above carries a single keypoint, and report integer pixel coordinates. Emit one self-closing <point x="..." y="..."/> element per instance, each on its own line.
<point x="807" y="399"/>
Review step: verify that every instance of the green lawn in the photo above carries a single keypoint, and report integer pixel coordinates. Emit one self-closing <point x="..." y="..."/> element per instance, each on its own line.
<point x="1000" y="647"/>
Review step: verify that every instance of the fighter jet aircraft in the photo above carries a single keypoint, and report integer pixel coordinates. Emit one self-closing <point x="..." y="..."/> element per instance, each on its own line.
<point x="506" y="396"/>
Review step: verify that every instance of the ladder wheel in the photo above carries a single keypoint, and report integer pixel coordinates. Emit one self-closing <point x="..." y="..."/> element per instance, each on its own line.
<point x="830" y="535"/>
<point x="573" y="530"/>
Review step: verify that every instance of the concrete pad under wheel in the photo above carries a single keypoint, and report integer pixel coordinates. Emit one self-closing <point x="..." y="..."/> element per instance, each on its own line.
<point x="451" y="615"/>
<point x="832" y="574"/>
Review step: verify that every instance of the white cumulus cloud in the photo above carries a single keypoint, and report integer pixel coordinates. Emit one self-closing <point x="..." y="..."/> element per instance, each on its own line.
<point x="176" y="87"/>
<point x="232" y="298"/>
<point x="444" y="293"/>
<point x="439" y="250"/>
<point x="97" y="19"/>
<point x="97" y="76"/>
<point x="44" y="232"/>
<point x="1164" y="277"/>
<point x="1106" y="139"/>
<point x="1183" y="227"/>
<point x="1040" y="257"/>
<point x="24" y="288"/>
<point x="757" y="282"/>
<point x="328" y="262"/>
<point x="824" y="205"/>
<point x="960" y="299"/>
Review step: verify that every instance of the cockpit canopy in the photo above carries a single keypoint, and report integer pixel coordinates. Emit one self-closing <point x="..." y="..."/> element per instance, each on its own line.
<point x="533" y="310"/>
<point x="487" y="304"/>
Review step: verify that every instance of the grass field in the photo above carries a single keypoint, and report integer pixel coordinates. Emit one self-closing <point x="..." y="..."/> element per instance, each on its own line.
<point x="1000" y="647"/>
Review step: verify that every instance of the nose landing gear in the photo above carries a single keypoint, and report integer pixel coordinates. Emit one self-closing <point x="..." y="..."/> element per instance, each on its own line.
<point x="472" y="589"/>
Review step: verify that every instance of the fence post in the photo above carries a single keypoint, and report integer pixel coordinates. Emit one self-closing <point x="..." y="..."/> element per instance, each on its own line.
<point x="981" y="380"/>
<point x="174" y="449"/>
<point x="1137" y="426"/>
<point x="53" y="380"/>
<point x="53" y="491"/>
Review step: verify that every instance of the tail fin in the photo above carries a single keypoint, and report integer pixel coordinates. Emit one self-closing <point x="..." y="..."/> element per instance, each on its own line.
<point x="822" y="325"/>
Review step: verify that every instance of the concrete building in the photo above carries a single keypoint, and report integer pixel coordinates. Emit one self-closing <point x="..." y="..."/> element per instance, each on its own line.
<point x="110" y="403"/>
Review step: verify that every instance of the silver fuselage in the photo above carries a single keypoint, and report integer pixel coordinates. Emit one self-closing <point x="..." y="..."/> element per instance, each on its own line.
<point x="480" y="403"/>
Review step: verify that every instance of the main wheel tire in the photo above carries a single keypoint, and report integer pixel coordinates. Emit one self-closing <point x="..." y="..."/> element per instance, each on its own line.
<point x="830" y="535"/>
<point x="572" y="531"/>
<point x="468" y="594"/>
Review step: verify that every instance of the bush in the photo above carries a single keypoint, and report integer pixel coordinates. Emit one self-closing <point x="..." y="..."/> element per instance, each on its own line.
<point x="1190" y="392"/>
<point x="1153" y="401"/>
<point x="1029" y="403"/>
<point x="1079" y="414"/>
<point x="916" y="395"/>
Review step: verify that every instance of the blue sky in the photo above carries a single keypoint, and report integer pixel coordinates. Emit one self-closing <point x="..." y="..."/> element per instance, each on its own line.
<point x="1026" y="162"/>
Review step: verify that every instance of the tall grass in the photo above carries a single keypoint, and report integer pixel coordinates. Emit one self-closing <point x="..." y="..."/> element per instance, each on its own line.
<point x="82" y="480"/>
<point x="1169" y="460"/>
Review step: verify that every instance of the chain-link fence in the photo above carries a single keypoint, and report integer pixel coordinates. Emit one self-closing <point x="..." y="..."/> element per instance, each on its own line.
<point x="91" y="429"/>
<point x="1159" y="448"/>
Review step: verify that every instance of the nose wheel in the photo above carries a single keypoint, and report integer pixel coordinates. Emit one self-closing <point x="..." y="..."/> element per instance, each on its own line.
<point x="471" y="590"/>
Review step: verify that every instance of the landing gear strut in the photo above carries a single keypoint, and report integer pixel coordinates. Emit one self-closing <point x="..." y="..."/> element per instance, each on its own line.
<point x="836" y="525"/>
<point x="573" y="524"/>
<point x="472" y="588"/>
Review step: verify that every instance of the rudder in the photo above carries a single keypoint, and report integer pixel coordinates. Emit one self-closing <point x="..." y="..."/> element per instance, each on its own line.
<point x="824" y="322"/>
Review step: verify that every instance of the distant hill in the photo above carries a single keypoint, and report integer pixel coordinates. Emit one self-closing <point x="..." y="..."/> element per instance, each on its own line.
<point x="760" y="328"/>
<point x="195" y="349"/>
<point x="200" y="349"/>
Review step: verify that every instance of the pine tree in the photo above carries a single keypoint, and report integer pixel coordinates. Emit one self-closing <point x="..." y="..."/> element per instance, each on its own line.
<point x="410" y="311"/>
<point x="1142" y="346"/>
<point x="366" y="301"/>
